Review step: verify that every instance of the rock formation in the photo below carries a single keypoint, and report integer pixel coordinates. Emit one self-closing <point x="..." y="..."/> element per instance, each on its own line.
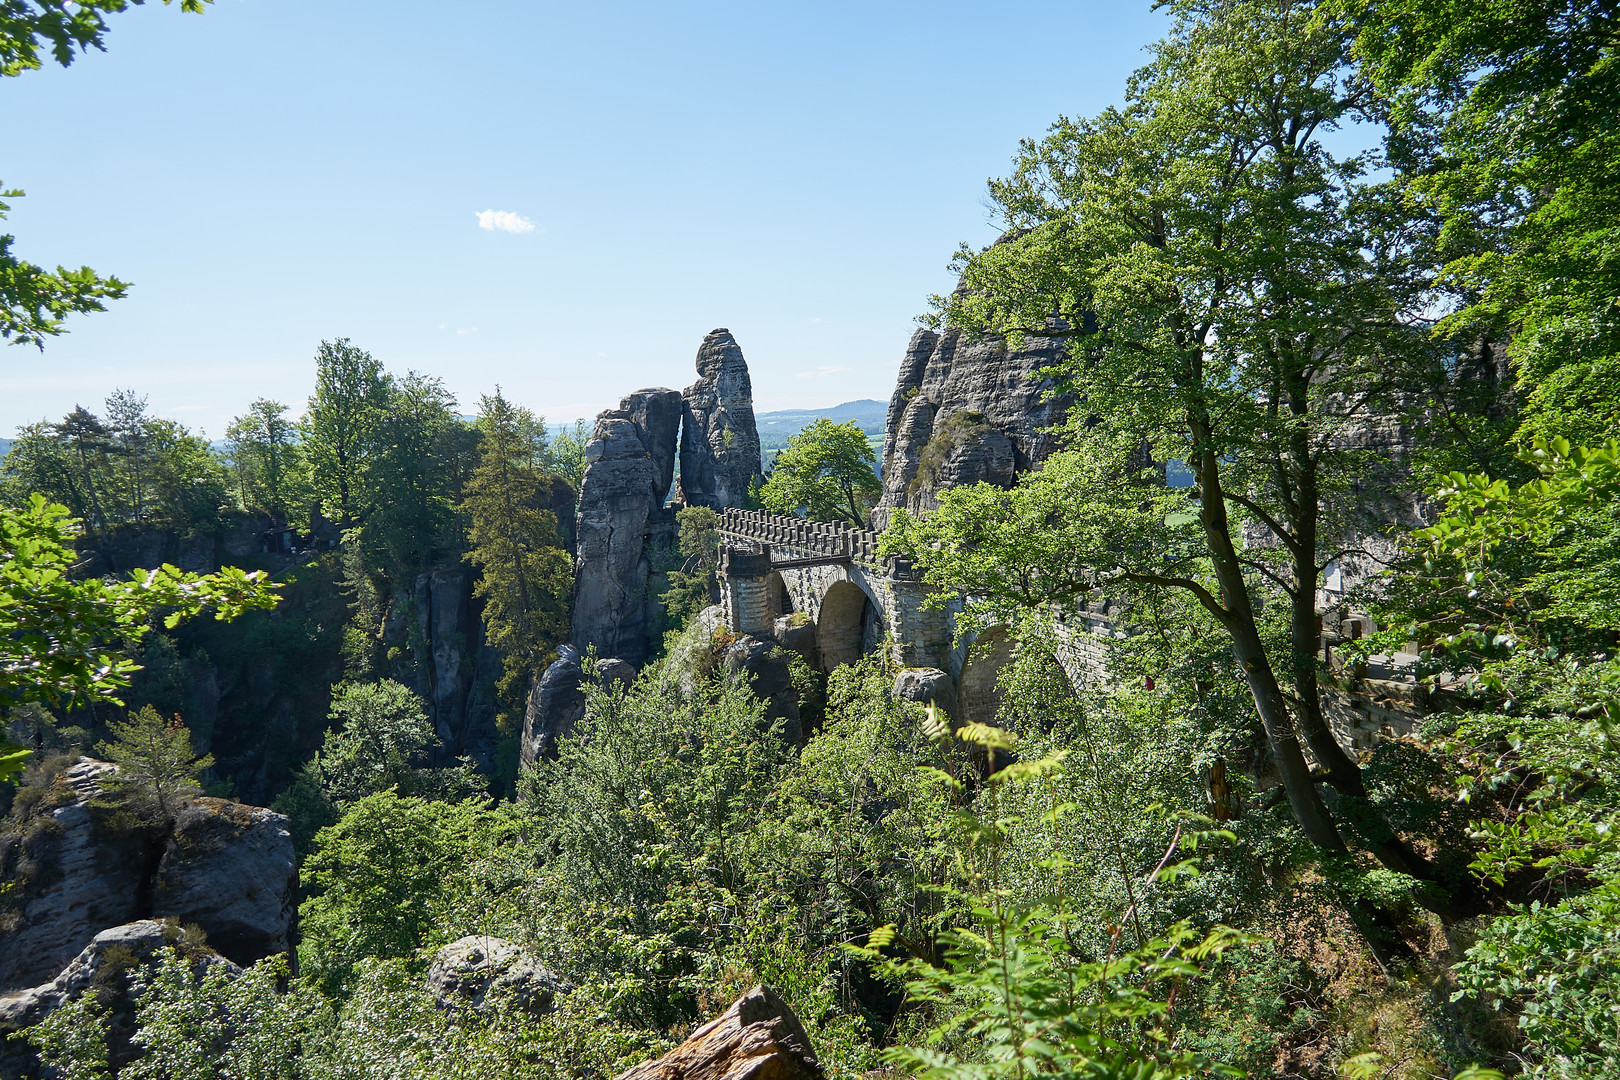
<point x="758" y="1038"/>
<point x="766" y="665"/>
<point x="629" y="461"/>
<point x="79" y="869"/>
<point x="476" y="972"/>
<point x="557" y="701"/>
<point x="101" y="967"/>
<point x="719" y="441"/>
<point x="964" y="410"/>
<point x="454" y="669"/>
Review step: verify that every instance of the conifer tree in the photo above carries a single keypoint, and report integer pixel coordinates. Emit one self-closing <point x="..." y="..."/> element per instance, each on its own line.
<point x="525" y="578"/>
<point x="157" y="764"/>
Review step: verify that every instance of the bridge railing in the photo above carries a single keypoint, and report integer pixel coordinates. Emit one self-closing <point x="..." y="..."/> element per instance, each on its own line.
<point x="796" y="538"/>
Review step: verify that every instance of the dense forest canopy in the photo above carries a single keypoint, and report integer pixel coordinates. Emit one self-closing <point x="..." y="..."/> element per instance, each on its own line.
<point x="1393" y="367"/>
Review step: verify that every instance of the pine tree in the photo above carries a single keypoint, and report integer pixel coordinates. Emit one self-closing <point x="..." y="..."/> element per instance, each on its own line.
<point x="525" y="578"/>
<point x="157" y="764"/>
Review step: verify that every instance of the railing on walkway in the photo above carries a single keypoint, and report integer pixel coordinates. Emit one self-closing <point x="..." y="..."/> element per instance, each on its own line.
<point x="795" y="538"/>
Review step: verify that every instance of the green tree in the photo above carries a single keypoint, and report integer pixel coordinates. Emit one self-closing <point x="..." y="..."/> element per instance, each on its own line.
<point x="340" y="428"/>
<point x="1505" y="113"/>
<point x="524" y="575"/>
<point x="565" y="455"/>
<point x="408" y="487"/>
<point x="1237" y="296"/>
<point x="382" y="742"/>
<point x="60" y="639"/>
<point x="828" y="472"/>
<point x="382" y="880"/>
<point x="265" y="457"/>
<point x="157" y="766"/>
<point x="694" y="586"/>
<point x="127" y="430"/>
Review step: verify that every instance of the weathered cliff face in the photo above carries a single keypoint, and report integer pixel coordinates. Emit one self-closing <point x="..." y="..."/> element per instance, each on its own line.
<point x="963" y="411"/>
<point x="629" y="462"/>
<point x="106" y="967"/>
<point x="79" y="869"/>
<point x="448" y="664"/>
<point x="719" y="439"/>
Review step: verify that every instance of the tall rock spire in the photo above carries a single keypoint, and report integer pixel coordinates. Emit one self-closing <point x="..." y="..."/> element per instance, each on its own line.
<point x="719" y="441"/>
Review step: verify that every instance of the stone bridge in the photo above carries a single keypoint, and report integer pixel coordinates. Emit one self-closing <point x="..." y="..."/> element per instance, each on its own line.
<point x="777" y="572"/>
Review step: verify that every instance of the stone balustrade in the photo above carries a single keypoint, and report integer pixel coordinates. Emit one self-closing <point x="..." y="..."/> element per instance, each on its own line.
<point x="795" y="538"/>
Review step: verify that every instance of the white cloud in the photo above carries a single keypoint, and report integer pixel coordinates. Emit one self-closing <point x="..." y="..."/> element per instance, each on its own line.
<point x="503" y="220"/>
<point x="468" y="330"/>
<point x="821" y="372"/>
<point x="817" y="319"/>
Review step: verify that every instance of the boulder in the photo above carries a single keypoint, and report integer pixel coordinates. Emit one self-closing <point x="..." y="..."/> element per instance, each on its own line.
<point x="478" y="972"/>
<point x="766" y="665"/>
<point x="924" y="685"/>
<point x="757" y="1038"/>
<point x="227" y="867"/>
<point x="719" y="439"/>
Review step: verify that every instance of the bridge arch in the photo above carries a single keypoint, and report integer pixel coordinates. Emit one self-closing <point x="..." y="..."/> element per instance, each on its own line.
<point x="978" y="690"/>
<point x="843" y="624"/>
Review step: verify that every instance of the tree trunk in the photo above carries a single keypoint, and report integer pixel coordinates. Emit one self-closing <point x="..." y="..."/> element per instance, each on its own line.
<point x="1303" y="798"/>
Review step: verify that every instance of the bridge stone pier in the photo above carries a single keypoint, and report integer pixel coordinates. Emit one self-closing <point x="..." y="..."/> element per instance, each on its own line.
<point x="773" y="568"/>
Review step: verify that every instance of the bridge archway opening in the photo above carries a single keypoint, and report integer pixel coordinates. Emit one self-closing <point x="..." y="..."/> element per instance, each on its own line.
<point x="978" y="690"/>
<point x="777" y="597"/>
<point x="841" y="631"/>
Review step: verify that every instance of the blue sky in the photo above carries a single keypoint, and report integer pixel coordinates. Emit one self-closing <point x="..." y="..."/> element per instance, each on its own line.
<point x="276" y="172"/>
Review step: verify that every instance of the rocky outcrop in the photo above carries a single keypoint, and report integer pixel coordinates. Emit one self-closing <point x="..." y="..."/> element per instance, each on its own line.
<point x="139" y="941"/>
<point x="927" y="685"/>
<point x="103" y="968"/>
<point x="765" y="664"/>
<point x="719" y="440"/>
<point x="449" y="664"/>
<point x="557" y="700"/>
<point x="479" y="973"/>
<point x="629" y="460"/>
<point x="229" y="869"/>
<point x="224" y="866"/>
<point x="965" y="410"/>
<point x="758" y="1038"/>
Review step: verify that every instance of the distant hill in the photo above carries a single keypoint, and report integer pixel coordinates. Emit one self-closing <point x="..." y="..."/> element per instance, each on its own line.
<point x="775" y="427"/>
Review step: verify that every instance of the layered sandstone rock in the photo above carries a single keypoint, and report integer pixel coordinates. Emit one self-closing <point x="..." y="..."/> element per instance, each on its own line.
<point x="224" y="866"/>
<point x="758" y="1038"/>
<point x="621" y="506"/>
<point x="965" y="410"/>
<point x="719" y="439"/>
<point x="106" y="967"/>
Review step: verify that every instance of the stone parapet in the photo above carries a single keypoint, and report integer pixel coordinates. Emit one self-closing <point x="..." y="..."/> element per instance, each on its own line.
<point x="795" y="538"/>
